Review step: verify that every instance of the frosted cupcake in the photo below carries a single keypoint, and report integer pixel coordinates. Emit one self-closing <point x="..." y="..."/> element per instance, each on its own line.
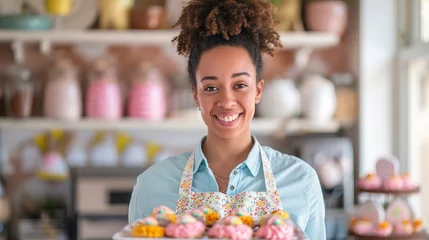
<point x="281" y="213"/>
<point x="408" y="183"/>
<point x="165" y="218"/>
<point x="276" y="227"/>
<point x="394" y="183"/>
<point x="147" y="228"/>
<point x="211" y="216"/>
<point x="362" y="227"/>
<point x="231" y="227"/>
<point x="244" y="216"/>
<point x="198" y="214"/>
<point x="405" y="228"/>
<point x="185" y="227"/>
<point x="162" y="209"/>
<point x="384" y="229"/>
<point x="370" y="182"/>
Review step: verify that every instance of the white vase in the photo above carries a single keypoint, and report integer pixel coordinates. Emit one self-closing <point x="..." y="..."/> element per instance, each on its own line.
<point x="280" y="99"/>
<point x="318" y="98"/>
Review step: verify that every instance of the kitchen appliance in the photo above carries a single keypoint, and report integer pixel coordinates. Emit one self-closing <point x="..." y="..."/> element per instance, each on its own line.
<point x="100" y="200"/>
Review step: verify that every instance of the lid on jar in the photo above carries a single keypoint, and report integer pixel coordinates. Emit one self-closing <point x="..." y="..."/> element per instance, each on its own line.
<point x="62" y="67"/>
<point x="147" y="72"/>
<point x="342" y="79"/>
<point x="104" y="68"/>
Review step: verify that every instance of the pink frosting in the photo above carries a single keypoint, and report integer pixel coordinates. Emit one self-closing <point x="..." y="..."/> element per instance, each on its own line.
<point x="275" y="232"/>
<point x="403" y="229"/>
<point x="370" y="183"/>
<point x="162" y="209"/>
<point x="393" y="184"/>
<point x="231" y="231"/>
<point x="189" y="230"/>
<point x="362" y="228"/>
<point x="384" y="232"/>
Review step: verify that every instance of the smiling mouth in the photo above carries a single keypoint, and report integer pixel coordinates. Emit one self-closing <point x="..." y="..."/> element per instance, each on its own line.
<point x="228" y="120"/>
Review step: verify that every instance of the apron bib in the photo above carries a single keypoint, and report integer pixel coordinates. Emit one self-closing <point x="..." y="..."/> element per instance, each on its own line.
<point x="256" y="203"/>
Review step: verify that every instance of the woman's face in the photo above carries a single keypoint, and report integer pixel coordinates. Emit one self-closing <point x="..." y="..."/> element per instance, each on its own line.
<point x="227" y="91"/>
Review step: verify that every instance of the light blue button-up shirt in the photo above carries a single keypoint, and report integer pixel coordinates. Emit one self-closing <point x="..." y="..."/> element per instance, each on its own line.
<point x="297" y="183"/>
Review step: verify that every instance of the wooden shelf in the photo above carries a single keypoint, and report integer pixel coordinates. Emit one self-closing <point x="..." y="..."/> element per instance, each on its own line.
<point x="416" y="236"/>
<point x="149" y="37"/>
<point x="383" y="191"/>
<point x="259" y="125"/>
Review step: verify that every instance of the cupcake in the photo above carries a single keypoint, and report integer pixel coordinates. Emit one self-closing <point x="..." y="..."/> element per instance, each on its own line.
<point x="162" y="209"/>
<point x="408" y="183"/>
<point x="185" y="227"/>
<point x="362" y="227"/>
<point x="198" y="214"/>
<point x="165" y="218"/>
<point x="370" y="182"/>
<point x="276" y="227"/>
<point x="418" y="225"/>
<point x="281" y="213"/>
<point x="147" y="228"/>
<point x="244" y="216"/>
<point x="211" y="216"/>
<point x="394" y="183"/>
<point x="230" y="227"/>
<point x="405" y="228"/>
<point x="384" y="229"/>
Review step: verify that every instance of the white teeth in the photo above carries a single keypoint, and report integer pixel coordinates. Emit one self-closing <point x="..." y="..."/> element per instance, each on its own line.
<point x="228" y="119"/>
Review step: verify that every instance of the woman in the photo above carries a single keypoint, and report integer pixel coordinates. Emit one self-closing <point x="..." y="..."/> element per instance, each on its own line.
<point x="224" y="40"/>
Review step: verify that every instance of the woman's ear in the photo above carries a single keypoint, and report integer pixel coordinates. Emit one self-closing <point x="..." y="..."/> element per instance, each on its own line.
<point x="195" y="95"/>
<point x="259" y="87"/>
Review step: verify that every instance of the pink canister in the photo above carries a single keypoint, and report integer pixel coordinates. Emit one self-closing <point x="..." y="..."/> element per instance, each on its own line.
<point x="103" y="99"/>
<point x="147" y="94"/>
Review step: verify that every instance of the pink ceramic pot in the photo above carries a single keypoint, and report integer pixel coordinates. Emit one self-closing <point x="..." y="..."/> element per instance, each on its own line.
<point x="147" y="101"/>
<point x="104" y="100"/>
<point x="326" y="16"/>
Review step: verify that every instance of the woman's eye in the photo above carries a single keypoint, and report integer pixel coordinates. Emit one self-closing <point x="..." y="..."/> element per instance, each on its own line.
<point x="240" y="85"/>
<point x="210" y="88"/>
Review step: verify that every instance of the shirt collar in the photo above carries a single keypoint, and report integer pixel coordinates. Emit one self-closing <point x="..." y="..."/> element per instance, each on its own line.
<point x="253" y="161"/>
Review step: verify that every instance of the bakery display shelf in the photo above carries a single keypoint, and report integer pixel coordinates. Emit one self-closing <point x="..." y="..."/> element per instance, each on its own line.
<point x="383" y="191"/>
<point x="258" y="126"/>
<point x="290" y="40"/>
<point x="416" y="236"/>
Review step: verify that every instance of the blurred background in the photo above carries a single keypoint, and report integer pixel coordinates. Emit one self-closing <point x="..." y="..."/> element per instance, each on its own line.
<point x="93" y="92"/>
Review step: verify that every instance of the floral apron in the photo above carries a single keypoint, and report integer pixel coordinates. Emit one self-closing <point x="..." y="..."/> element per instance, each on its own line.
<point x="256" y="203"/>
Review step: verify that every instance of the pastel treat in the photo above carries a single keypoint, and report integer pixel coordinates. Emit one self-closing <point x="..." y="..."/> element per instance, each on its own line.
<point x="281" y="213"/>
<point x="244" y="216"/>
<point x="230" y="227"/>
<point x="409" y="184"/>
<point x="384" y="229"/>
<point x="148" y="228"/>
<point x="198" y="214"/>
<point x="362" y="227"/>
<point x="165" y="218"/>
<point x="404" y="228"/>
<point x="418" y="225"/>
<point x="371" y="211"/>
<point x="211" y="216"/>
<point x="370" y="182"/>
<point x="185" y="227"/>
<point x="386" y="167"/>
<point x="398" y="211"/>
<point x="162" y="209"/>
<point x="276" y="227"/>
<point x="394" y="183"/>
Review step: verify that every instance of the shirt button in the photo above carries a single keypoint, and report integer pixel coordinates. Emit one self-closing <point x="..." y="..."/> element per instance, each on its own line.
<point x="235" y="172"/>
<point x="232" y="187"/>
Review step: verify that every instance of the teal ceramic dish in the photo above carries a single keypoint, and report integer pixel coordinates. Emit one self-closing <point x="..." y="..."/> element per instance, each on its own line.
<point x="25" y="22"/>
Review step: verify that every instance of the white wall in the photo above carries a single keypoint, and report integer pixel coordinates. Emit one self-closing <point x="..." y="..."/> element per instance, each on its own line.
<point x="378" y="44"/>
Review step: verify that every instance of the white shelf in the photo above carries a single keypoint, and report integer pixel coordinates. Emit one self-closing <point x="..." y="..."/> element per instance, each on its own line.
<point x="259" y="126"/>
<point x="149" y="37"/>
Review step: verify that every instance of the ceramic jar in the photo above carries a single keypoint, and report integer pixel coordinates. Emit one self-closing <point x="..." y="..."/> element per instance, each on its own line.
<point x="103" y="96"/>
<point x="147" y="98"/>
<point x="19" y="92"/>
<point x="280" y="99"/>
<point x="62" y="98"/>
<point x="326" y="16"/>
<point x="318" y="98"/>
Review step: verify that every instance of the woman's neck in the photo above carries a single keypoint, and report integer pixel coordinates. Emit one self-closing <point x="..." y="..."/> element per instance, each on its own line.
<point x="225" y="154"/>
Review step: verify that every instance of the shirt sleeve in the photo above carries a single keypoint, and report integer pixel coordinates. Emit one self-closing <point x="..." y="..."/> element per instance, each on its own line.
<point x="315" y="228"/>
<point x="138" y="202"/>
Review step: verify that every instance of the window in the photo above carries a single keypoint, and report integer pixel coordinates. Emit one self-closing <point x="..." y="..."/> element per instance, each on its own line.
<point x="424" y="20"/>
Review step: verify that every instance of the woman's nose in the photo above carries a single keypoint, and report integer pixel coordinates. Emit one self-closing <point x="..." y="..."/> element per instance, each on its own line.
<point x="226" y="99"/>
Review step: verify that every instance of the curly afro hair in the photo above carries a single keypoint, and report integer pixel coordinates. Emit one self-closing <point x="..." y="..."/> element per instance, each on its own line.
<point x="206" y="24"/>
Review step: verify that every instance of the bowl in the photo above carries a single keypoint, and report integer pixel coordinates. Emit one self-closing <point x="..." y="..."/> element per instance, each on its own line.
<point x="25" y="22"/>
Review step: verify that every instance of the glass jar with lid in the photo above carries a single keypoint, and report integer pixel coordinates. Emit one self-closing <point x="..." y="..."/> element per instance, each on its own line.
<point x="62" y="98"/>
<point x="19" y="92"/>
<point x="347" y="99"/>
